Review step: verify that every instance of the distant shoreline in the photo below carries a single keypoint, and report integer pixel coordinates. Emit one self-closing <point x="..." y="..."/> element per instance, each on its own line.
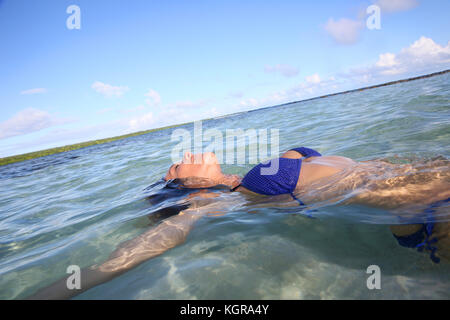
<point x="363" y="88"/>
<point x="76" y="146"/>
<point x="46" y="152"/>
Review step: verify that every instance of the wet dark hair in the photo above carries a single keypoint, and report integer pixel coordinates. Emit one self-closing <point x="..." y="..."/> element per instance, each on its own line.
<point x="170" y="197"/>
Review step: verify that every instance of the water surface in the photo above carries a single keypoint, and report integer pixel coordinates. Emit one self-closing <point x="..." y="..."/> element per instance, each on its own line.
<point x="76" y="207"/>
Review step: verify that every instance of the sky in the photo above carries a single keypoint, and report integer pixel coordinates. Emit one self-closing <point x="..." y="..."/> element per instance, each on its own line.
<point x="134" y="65"/>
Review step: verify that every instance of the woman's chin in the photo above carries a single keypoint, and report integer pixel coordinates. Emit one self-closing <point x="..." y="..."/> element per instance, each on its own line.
<point x="197" y="182"/>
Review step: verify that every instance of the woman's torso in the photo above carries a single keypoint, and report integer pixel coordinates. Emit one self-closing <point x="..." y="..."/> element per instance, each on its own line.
<point x="315" y="168"/>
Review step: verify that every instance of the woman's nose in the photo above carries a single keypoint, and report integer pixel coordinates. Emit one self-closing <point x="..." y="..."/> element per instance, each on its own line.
<point x="188" y="157"/>
<point x="198" y="158"/>
<point x="209" y="158"/>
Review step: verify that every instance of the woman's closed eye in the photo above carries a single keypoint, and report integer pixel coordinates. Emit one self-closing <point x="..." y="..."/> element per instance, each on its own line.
<point x="173" y="169"/>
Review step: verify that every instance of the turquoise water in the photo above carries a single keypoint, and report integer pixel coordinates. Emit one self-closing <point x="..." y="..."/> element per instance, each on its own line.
<point x="75" y="208"/>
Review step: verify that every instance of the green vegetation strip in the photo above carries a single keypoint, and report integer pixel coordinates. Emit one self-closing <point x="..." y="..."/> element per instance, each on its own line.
<point x="42" y="153"/>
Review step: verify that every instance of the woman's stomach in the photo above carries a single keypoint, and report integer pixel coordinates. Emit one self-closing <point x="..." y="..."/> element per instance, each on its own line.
<point x="316" y="168"/>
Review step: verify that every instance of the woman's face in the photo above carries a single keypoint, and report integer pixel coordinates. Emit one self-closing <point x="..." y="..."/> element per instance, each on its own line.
<point x="202" y="165"/>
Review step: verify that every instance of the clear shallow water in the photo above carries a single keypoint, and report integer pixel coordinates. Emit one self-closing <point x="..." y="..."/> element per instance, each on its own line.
<point x="77" y="207"/>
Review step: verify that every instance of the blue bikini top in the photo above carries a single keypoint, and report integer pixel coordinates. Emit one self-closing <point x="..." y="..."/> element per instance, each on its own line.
<point x="283" y="181"/>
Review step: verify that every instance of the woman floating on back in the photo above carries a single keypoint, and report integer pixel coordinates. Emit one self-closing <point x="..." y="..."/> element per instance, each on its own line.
<point x="301" y="177"/>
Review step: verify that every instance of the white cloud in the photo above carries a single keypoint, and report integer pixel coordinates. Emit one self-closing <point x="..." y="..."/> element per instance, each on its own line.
<point x="423" y="55"/>
<point x="386" y="60"/>
<point x="188" y="104"/>
<point x="34" y="91"/>
<point x="108" y="90"/>
<point x="427" y="48"/>
<point x="315" y="78"/>
<point x="347" y="31"/>
<point x="344" y="31"/>
<point x="27" y="121"/>
<point x="179" y="112"/>
<point x="153" y="98"/>
<point x="313" y="86"/>
<point x="390" y="6"/>
<point x="283" y="69"/>
<point x="142" y="122"/>
<point x="251" y="102"/>
<point x="212" y="113"/>
<point x="139" y="108"/>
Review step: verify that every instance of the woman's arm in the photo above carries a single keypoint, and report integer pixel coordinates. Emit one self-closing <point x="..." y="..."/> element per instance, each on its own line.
<point x="168" y="234"/>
